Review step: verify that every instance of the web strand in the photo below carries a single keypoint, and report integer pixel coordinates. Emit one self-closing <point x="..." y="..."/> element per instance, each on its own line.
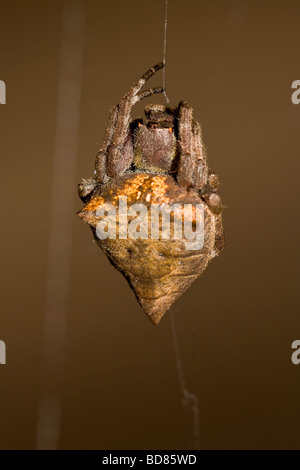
<point x="190" y="401"/>
<point x="165" y="51"/>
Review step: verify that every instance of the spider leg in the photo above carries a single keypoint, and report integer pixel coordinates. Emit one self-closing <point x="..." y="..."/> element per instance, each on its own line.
<point x="186" y="161"/>
<point x="192" y="170"/>
<point x="201" y="168"/>
<point x="120" y="151"/>
<point x="101" y="158"/>
<point x="146" y="93"/>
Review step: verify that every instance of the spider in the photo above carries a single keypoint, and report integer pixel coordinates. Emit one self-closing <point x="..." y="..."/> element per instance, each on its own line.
<point x="163" y="150"/>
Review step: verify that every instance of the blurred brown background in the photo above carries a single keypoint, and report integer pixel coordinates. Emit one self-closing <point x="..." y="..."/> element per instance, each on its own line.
<point x="234" y="62"/>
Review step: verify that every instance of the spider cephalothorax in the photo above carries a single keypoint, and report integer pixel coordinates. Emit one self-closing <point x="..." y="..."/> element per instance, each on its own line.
<point x="159" y="160"/>
<point x="154" y="143"/>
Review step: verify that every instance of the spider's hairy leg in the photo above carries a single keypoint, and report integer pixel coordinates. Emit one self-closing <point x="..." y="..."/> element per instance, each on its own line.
<point x="101" y="158"/>
<point x="193" y="170"/>
<point x="146" y="93"/>
<point x="120" y="151"/>
<point x="141" y="82"/>
<point x="185" y="135"/>
<point x="201" y="169"/>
